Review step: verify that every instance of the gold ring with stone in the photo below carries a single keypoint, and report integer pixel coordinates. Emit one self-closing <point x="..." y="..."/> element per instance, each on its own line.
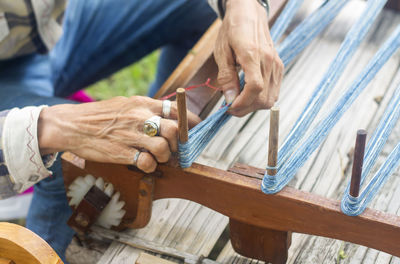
<point x="151" y="126"/>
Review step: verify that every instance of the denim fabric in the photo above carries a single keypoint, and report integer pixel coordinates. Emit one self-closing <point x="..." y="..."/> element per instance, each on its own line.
<point x="100" y="37"/>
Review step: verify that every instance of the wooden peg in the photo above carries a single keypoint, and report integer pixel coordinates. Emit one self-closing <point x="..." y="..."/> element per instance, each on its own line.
<point x="358" y="163"/>
<point x="182" y="115"/>
<point x="273" y="140"/>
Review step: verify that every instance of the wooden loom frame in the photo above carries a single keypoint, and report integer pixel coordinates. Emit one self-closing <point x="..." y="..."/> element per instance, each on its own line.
<point x="261" y="229"/>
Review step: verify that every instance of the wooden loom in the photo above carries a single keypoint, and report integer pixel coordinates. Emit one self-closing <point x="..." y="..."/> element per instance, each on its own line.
<point x="261" y="229"/>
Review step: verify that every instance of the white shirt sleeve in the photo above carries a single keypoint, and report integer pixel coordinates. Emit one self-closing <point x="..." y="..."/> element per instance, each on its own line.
<point x="21" y="148"/>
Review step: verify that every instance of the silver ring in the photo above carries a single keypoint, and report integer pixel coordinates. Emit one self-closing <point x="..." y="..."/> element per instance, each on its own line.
<point x="136" y="158"/>
<point x="166" y="108"/>
<point x="151" y="126"/>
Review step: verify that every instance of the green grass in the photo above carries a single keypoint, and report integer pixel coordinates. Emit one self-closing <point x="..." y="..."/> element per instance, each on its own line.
<point x="132" y="80"/>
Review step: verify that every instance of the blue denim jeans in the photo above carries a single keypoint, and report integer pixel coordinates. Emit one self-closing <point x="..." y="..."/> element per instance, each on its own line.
<point x="100" y="37"/>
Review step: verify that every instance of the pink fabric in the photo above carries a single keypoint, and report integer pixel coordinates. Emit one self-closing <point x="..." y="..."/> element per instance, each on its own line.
<point x="81" y="96"/>
<point x="30" y="190"/>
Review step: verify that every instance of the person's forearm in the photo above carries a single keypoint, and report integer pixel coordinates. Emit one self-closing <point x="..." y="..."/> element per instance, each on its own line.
<point x="51" y="130"/>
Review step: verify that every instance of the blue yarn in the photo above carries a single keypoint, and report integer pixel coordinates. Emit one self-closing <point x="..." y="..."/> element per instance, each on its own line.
<point x="200" y="135"/>
<point x="284" y="19"/>
<point x="309" y="29"/>
<point x="353" y="39"/>
<point x="356" y="205"/>
<point x="272" y="184"/>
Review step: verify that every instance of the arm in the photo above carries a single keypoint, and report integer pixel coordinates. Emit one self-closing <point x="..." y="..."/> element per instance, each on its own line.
<point x="105" y="131"/>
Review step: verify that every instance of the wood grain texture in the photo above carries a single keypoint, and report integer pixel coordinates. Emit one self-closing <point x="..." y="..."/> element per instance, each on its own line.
<point x="273" y="140"/>
<point x="145" y="258"/>
<point x="259" y="243"/>
<point x="288" y="210"/>
<point x="23" y="246"/>
<point x="6" y="261"/>
<point x="145" y="202"/>
<point x="183" y="127"/>
<point x="358" y="162"/>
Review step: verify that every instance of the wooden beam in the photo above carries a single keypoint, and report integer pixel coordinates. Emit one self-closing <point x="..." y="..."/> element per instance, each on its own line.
<point x="238" y="195"/>
<point x="260" y="243"/>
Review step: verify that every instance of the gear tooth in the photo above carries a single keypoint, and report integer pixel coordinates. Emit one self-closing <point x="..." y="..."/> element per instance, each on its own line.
<point x="123" y="212"/>
<point x="73" y="187"/>
<point x="120" y="214"/>
<point x="116" y="196"/>
<point x="119" y="205"/>
<point x="109" y="189"/>
<point x="78" y="181"/>
<point x="100" y="183"/>
<point x="90" y="179"/>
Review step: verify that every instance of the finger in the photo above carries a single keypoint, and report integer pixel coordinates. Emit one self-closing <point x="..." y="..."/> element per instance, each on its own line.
<point x="254" y="85"/>
<point x="111" y="152"/>
<point x="158" y="146"/>
<point x="244" y="111"/>
<point x="146" y="162"/>
<point x="169" y="130"/>
<point x="228" y="78"/>
<point x="277" y="79"/>
<point x="267" y="70"/>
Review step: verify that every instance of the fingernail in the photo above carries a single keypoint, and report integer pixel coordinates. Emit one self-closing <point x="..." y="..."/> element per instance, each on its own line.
<point x="230" y="96"/>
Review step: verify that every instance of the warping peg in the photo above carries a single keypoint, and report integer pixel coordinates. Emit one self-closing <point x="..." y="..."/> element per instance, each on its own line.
<point x="273" y="140"/>
<point x="183" y="127"/>
<point x="358" y="163"/>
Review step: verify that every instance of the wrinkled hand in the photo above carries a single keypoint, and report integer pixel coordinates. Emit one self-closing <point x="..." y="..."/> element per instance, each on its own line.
<point x="244" y="40"/>
<point x="110" y="131"/>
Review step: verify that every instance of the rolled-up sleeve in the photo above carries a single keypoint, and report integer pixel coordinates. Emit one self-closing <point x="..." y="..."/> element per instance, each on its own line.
<point x="6" y="185"/>
<point x="21" y="164"/>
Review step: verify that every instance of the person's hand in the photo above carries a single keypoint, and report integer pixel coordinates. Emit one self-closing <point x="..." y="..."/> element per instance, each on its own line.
<point x="110" y="131"/>
<point x="244" y="40"/>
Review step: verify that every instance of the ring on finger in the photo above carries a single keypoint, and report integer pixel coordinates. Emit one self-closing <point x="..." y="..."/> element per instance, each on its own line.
<point x="151" y="126"/>
<point x="136" y="158"/>
<point x="166" y="108"/>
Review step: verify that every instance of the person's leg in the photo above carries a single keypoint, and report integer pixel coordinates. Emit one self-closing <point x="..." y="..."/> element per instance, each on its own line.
<point x="102" y="36"/>
<point x="23" y="82"/>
